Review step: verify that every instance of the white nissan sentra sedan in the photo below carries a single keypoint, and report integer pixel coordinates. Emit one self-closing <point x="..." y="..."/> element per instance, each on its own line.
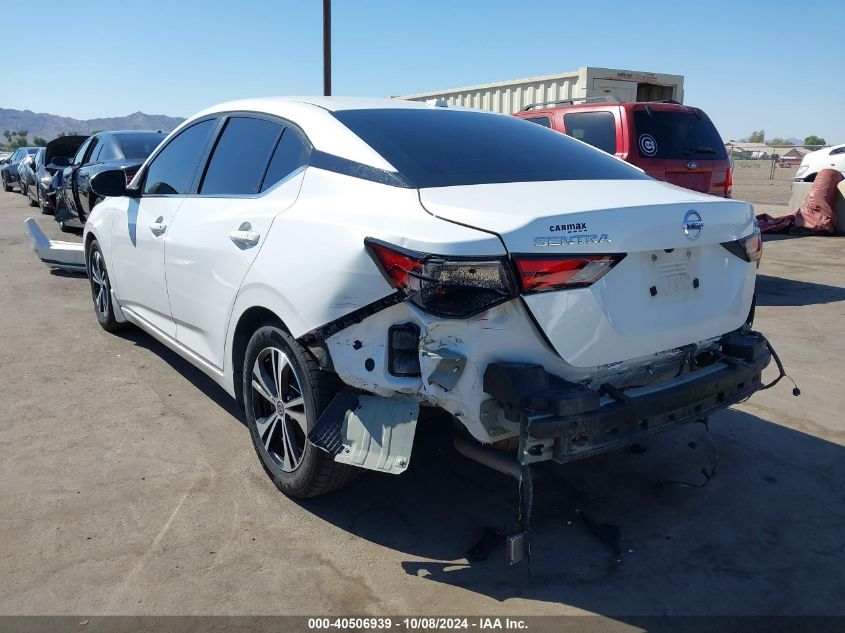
<point x="335" y="264"/>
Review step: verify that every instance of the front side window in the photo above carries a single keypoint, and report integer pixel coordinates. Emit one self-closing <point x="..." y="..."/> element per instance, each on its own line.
<point x="240" y="157"/>
<point x="594" y="128"/>
<point x="172" y="170"/>
<point x="440" y="147"/>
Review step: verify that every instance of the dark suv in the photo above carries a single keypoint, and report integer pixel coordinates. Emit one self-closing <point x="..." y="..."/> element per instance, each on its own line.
<point x="668" y="140"/>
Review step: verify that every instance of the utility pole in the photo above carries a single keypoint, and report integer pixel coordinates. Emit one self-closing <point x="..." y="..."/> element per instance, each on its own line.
<point x="327" y="47"/>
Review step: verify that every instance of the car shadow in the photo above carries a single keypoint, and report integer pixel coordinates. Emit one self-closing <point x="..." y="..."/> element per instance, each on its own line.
<point x="778" y="291"/>
<point x="201" y="381"/>
<point x="627" y="533"/>
<point x="653" y="531"/>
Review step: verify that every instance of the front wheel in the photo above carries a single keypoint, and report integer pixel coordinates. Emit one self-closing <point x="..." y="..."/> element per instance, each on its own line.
<point x="284" y="393"/>
<point x="6" y="185"/>
<point x="98" y="277"/>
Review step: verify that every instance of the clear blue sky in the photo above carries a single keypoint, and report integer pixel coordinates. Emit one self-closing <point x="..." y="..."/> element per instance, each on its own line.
<point x="774" y="64"/>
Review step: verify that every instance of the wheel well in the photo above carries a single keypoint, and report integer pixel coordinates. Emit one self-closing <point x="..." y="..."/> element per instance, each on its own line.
<point x="249" y="322"/>
<point x="88" y="239"/>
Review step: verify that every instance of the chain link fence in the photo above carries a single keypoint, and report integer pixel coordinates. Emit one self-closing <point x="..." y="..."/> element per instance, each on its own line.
<point x="763" y="174"/>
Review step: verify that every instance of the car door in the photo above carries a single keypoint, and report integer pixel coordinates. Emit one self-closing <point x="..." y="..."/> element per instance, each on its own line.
<point x="82" y="178"/>
<point x="253" y="173"/>
<point x="80" y="171"/>
<point x="140" y="231"/>
<point x="69" y="177"/>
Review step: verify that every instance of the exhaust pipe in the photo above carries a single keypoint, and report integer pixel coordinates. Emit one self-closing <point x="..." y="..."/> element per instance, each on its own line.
<point x="488" y="457"/>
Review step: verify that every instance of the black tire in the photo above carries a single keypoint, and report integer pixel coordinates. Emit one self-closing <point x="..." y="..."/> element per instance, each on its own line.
<point x="316" y="472"/>
<point x="6" y="185"/>
<point x="98" y="279"/>
<point x="65" y="228"/>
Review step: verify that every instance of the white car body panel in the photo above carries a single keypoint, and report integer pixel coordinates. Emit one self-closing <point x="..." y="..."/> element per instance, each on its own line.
<point x="616" y="318"/>
<point x="205" y="267"/>
<point x="826" y="158"/>
<point x="137" y="257"/>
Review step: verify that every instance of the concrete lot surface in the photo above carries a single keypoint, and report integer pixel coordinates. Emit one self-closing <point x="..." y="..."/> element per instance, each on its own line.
<point x="129" y="485"/>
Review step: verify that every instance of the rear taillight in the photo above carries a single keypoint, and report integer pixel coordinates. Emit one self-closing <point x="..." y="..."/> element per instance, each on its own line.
<point x="749" y="248"/>
<point x="539" y="274"/>
<point x="130" y="173"/>
<point x="729" y="182"/>
<point x="453" y="287"/>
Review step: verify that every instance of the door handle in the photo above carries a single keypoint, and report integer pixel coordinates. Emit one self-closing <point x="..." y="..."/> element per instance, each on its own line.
<point x="158" y="227"/>
<point x="246" y="238"/>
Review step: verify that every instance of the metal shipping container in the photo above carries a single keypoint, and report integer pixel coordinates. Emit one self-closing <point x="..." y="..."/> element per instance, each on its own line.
<point x="508" y="97"/>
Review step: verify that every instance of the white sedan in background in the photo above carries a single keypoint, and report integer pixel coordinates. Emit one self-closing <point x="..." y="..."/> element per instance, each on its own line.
<point x="336" y="263"/>
<point x="827" y="158"/>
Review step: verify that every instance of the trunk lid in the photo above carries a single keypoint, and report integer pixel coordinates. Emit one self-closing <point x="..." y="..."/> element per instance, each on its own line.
<point x="670" y="290"/>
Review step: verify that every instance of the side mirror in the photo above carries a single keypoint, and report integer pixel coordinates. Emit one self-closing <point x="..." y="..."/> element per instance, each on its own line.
<point x="109" y="184"/>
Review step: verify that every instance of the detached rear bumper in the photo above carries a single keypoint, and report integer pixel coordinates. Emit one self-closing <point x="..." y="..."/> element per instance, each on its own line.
<point x="58" y="255"/>
<point x="564" y="421"/>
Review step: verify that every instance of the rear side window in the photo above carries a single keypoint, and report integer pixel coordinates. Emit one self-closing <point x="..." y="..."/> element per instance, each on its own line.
<point x="241" y="156"/>
<point x="172" y="171"/>
<point x="291" y="153"/>
<point x="138" y="146"/>
<point x="539" y="120"/>
<point x="594" y="128"/>
<point x="77" y="159"/>
<point x="677" y="134"/>
<point x="93" y="149"/>
<point x="439" y="147"/>
<point x="108" y="151"/>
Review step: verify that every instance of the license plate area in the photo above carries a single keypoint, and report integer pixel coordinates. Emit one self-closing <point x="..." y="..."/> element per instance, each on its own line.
<point x="673" y="272"/>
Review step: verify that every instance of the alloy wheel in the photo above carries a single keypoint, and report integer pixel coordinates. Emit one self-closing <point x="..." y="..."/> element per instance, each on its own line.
<point x="99" y="285"/>
<point x="279" y="408"/>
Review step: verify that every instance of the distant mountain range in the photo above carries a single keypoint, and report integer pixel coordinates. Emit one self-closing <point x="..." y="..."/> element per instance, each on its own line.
<point x="50" y="126"/>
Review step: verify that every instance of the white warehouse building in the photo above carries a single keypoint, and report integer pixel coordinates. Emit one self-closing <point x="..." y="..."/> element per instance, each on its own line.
<point x="588" y="82"/>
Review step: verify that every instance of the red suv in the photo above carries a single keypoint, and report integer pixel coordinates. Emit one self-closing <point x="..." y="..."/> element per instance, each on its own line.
<point x="668" y="140"/>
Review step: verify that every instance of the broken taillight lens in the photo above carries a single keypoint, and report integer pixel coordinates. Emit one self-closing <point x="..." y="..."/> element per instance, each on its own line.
<point x="444" y="286"/>
<point x="539" y="274"/>
<point x="749" y="248"/>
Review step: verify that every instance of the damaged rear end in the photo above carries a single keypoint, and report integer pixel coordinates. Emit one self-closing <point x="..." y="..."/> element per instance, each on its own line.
<point x="615" y="313"/>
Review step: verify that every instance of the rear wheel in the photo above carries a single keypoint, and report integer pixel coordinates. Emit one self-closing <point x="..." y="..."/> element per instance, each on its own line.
<point x="284" y="393"/>
<point x="98" y="277"/>
<point x="32" y="201"/>
<point x="42" y="203"/>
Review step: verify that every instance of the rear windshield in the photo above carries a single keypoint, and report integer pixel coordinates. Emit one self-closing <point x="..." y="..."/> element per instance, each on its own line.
<point x="440" y="148"/>
<point x="139" y="146"/>
<point x="676" y="134"/>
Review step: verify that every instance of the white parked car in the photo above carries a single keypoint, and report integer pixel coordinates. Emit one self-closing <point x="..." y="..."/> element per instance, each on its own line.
<point x="826" y="158"/>
<point x="336" y="263"/>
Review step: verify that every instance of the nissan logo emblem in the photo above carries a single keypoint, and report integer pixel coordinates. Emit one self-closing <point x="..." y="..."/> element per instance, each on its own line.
<point x="692" y="225"/>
